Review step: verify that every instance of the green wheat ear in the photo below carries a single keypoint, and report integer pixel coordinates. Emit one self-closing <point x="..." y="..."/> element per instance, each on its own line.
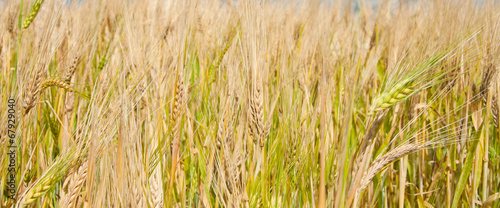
<point x="395" y="95"/>
<point x="34" y="11"/>
<point x="419" y="77"/>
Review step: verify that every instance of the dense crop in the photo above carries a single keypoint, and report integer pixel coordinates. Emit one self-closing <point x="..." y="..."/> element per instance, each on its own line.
<point x="249" y="103"/>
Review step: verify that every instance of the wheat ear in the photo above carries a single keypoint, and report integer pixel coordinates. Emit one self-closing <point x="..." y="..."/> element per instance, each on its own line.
<point x="494" y="110"/>
<point x="257" y="128"/>
<point x="484" y="88"/>
<point x="156" y="194"/>
<point x="53" y="82"/>
<point x="385" y="160"/>
<point x="32" y="91"/>
<point x="35" y="8"/>
<point x="178" y="108"/>
<point x="60" y="168"/>
<point x="75" y="183"/>
<point x="39" y="190"/>
<point x="56" y="83"/>
<point x="395" y="95"/>
<point x="226" y="144"/>
<point x="35" y="88"/>
<point x="11" y="22"/>
<point x="381" y="163"/>
<point x="138" y="197"/>
<point x="68" y="74"/>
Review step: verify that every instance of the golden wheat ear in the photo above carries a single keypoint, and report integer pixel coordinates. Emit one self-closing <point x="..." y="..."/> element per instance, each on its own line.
<point x="54" y="82"/>
<point x="257" y="127"/>
<point x="385" y="160"/>
<point x="437" y="138"/>
<point x="68" y="74"/>
<point x="33" y="90"/>
<point x="178" y="109"/>
<point x="74" y="184"/>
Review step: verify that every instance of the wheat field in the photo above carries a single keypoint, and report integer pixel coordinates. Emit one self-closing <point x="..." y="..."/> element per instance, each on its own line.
<point x="286" y="103"/>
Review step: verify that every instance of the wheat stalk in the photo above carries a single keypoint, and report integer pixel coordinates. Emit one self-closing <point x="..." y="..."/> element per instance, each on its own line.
<point x="178" y="108"/>
<point x="226" y="149"/>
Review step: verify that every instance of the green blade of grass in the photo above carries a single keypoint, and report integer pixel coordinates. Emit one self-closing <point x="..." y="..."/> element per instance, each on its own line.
<point x="465" y="172"/>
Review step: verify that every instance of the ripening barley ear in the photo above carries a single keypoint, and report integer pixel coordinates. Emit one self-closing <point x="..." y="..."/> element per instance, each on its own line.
<point x="37" y="191"/>
<point x="11" y="22"/>
<point x="258" y="129"/>
<point x="53" y="82"/>
<point x="435" y="138"/>
<point x="484" y="89"/>
<point x="382" y="162"/>
<point x="227" y="151"/>
<point x="156" y="193"/>
<point x="102" y="63"/>
<point x="56" y="83"/>
<point x="33" y="90"/>
<point x="411" y="79"/>
<point x="48" y="179"/>
<point x="494" y="110"/>
<point x="178" y="109"/>
<point x="74" y="183"/>
<point x="395" y="95"/>
<point x="35" y="8"/>
<point x="68" y="74"/>
<point x="386" y="159"/>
